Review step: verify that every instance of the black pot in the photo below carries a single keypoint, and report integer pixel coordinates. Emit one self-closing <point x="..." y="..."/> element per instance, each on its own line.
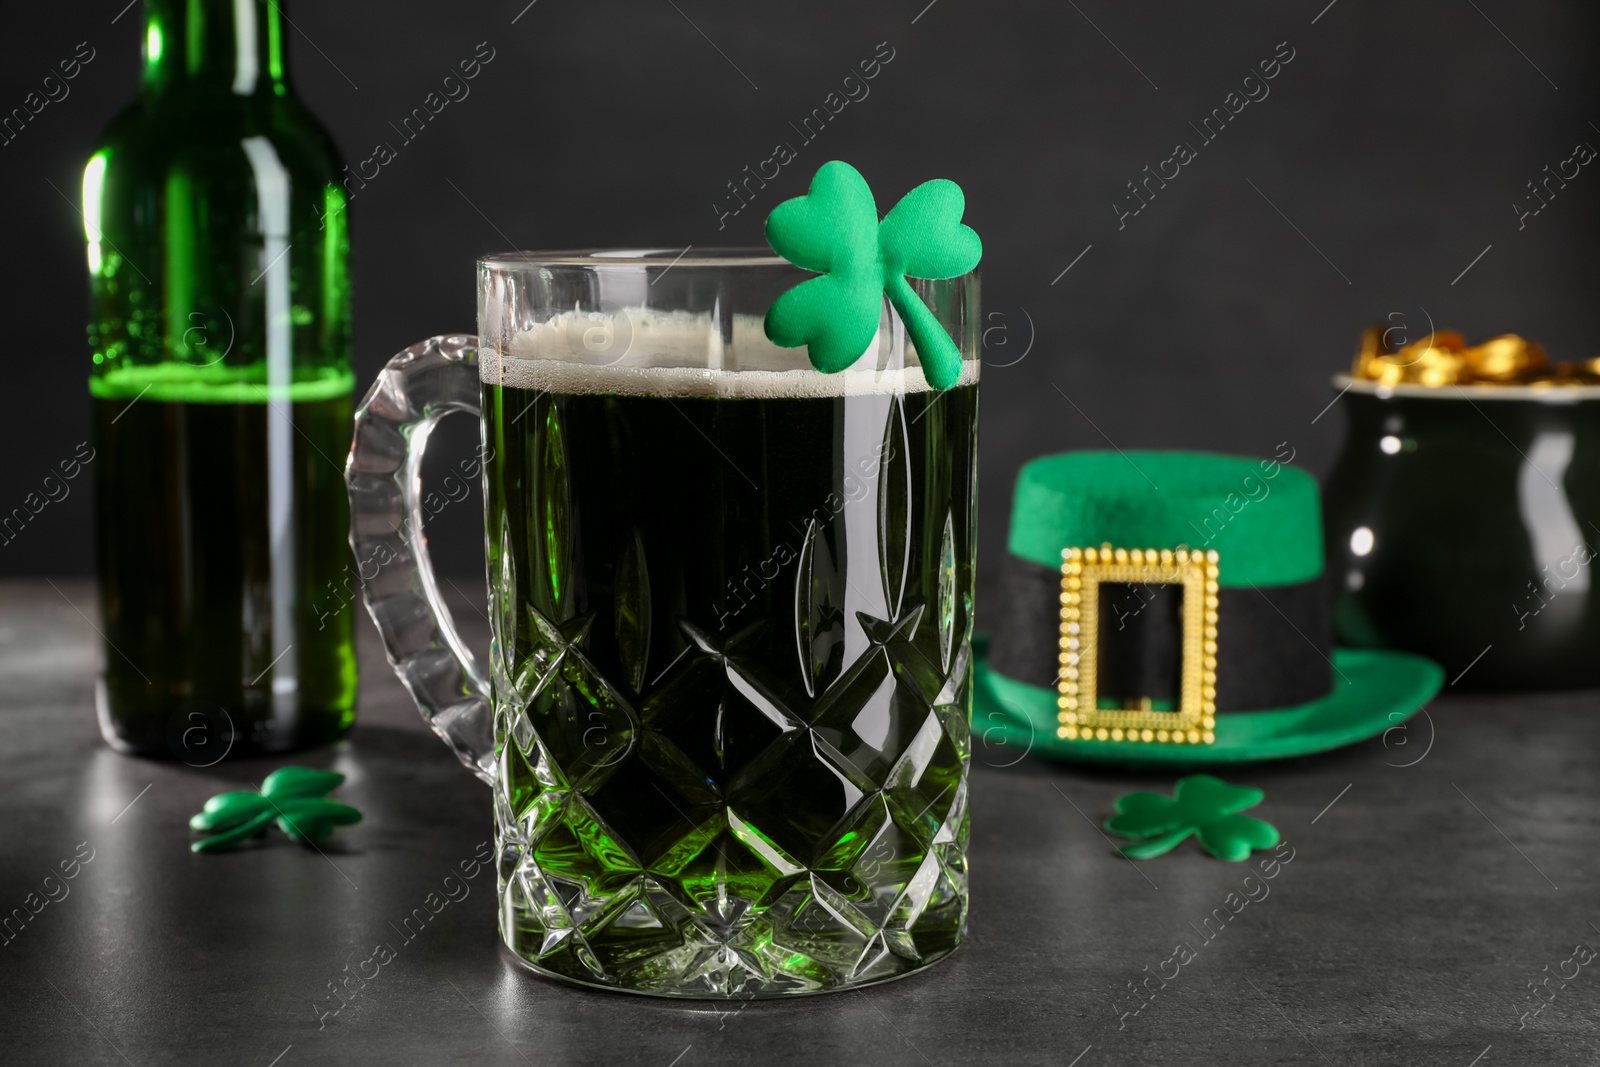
<point x="1463" y="523"/>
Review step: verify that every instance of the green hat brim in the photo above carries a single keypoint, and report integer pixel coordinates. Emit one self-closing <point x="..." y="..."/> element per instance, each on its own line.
<point x="1374" y="690"/>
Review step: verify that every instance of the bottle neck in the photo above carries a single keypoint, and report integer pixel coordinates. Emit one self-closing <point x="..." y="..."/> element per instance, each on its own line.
<point x="229" y="45"/>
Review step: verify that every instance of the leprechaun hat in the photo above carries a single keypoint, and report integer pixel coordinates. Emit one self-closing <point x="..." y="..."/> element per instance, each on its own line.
<point x="1169" y="608"/>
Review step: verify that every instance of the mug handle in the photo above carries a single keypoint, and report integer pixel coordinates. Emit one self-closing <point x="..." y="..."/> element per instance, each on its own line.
<point x="417" y="388"/>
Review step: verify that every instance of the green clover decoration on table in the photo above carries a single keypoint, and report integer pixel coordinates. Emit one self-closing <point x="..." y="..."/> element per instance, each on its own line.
<point x="1201" y="805"/>
<point x="834" y="229"/>
<point x="294" y="796"/>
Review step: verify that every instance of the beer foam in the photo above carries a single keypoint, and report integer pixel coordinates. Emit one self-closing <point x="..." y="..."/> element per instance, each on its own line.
<point x="642" y="352"/>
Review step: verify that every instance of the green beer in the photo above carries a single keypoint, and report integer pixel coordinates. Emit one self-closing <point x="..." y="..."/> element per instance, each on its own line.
<point x="231" y="538"/>
<point x="732" y="614"/>
<point x="220" y="344"/>
<point x="726" y="708"/>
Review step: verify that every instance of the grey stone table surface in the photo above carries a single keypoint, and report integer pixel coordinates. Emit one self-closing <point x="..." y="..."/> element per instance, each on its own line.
<point x="1438" y="886"/>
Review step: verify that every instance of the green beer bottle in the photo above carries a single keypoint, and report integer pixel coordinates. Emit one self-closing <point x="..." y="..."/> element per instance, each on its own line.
<point x="219" y="331"/>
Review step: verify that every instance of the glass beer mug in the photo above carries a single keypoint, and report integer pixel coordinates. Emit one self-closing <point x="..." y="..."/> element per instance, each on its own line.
<point x="725" y="710"/>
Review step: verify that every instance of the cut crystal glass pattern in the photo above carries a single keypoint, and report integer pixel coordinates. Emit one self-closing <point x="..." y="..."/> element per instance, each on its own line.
<point x="734" y="826"/>
<point x="714" y="774"/>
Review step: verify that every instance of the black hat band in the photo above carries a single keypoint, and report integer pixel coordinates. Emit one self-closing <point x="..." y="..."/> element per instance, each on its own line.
<point x="1273" y="648"/>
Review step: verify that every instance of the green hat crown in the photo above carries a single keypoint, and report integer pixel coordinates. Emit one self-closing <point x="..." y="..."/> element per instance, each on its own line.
<point x="1263" y="517"/>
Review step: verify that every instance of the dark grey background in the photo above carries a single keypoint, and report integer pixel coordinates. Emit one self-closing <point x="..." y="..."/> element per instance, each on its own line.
<point x="1385" y="160"/>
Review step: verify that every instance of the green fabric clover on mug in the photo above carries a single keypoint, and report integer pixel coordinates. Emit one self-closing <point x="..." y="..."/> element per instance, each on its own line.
<point x="295" y="796"/>
<point x="1201" y="805"/>
<point x="834" y="230"/>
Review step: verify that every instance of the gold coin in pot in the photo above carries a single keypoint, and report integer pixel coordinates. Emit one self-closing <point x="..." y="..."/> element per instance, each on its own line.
<point x="1507" y="358"/>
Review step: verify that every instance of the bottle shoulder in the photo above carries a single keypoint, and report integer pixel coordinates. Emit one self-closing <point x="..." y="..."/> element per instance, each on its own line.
<point x="157" y="133"/>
